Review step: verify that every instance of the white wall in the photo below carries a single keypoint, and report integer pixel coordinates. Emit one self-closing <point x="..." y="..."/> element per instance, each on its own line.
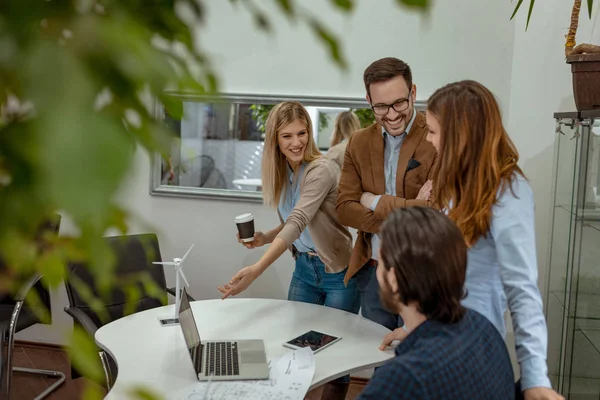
<point x="463" y="39"/>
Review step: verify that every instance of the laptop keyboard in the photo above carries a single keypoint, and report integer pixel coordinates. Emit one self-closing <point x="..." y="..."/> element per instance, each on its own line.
<point x="222" y="359"/>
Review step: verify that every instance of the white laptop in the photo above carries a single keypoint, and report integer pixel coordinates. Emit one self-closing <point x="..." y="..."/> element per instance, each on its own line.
<point x="223" y="360"/>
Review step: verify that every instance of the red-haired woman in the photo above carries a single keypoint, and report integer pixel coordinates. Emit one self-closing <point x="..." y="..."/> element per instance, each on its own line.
<point x="482" y="189"/>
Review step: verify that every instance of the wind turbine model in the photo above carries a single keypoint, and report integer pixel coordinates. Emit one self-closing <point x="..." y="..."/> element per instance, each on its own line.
<point x="177" y="263"/>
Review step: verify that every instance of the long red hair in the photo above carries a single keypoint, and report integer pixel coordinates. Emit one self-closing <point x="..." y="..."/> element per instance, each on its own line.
<point x="476" y="157"/>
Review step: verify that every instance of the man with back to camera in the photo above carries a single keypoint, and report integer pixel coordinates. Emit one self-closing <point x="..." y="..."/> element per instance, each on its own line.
<point x="451" y="352"/>
<point x="386" y="165"/>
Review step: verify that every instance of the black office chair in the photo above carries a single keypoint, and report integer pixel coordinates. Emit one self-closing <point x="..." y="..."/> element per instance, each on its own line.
<point x="216" y="180"/>
<point x="134" y="255"/>
<point x="17" y="313"/>
<point x="207" y="165"/>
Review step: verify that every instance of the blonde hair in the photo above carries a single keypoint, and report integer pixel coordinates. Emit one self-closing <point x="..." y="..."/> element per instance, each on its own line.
<point x="346" y="123"/>
<point x="274" y="163"/>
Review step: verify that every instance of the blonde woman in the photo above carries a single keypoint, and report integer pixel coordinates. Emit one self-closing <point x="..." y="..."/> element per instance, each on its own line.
<point x="346" y="123"/>
<point x="301" y="185"/>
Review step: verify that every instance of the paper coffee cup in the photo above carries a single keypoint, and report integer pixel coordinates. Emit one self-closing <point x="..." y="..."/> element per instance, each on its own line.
<point x="245" y="225"/>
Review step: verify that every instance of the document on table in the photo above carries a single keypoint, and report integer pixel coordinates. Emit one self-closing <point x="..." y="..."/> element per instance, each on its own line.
<point x="289" y="379"/>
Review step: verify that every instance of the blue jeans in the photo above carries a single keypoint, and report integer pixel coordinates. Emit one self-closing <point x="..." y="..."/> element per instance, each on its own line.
<point x="371" y="307"/>
<point x="311" y="284"/>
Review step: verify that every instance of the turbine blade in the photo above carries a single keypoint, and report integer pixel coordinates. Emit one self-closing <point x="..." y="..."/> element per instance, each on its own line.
<point x="183" y="276"/>
<point x="164" y="263"/>
<point x="186" y="254"/>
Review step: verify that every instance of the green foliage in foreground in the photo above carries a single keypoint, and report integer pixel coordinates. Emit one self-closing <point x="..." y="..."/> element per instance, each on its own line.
<point x="78" y="84"/>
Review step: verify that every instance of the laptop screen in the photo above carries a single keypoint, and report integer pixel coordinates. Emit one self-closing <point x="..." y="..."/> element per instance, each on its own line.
<point x="187" y="322"/>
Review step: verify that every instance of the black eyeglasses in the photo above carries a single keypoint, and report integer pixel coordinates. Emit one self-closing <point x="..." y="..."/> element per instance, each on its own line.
<point x="398" y="106"/>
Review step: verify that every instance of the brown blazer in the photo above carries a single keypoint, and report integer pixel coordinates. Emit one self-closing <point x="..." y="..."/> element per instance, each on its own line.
<point x="363" y="171"/>
<point x="315" y="211"/>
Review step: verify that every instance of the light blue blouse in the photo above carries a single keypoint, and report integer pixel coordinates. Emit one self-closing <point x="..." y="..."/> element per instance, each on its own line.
<point x="502" y="271"/>
<point x="288" y="201"/>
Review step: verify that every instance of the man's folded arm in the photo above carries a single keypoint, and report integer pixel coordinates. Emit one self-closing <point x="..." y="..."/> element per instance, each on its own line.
<point x="349" y="210"/>
<point x="385" y="204"/>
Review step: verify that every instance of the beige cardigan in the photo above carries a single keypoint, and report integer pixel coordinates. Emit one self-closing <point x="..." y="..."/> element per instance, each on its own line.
<point x="315" y="210"/>
<point x="336" y="153"/>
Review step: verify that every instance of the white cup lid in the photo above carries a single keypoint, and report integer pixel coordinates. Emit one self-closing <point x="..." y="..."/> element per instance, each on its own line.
<point x="244" y="218"/>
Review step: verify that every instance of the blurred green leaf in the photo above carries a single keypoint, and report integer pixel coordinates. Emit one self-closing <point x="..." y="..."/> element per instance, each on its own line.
<point x="86" y="294"/>
<point x="212" y="81"/>
<point x="424" y="4"/>
<point x="22" y="252"/>
<point x="101" y="261"/>
<point x="590" y="6"/>
<point x="118" y="219"/>
<point x="132" y="294"/>
<point x="152" y="289"/>
<point x="330" y="42"/>
<point x="261" y="20"/>
<point x="84" y="355"/>
<point x="143" y="393"/>
<point x="198" y="8"/>
<point x="286" y="6"/>
<point x="174" y="107"/>
<point x="344" y="5"/>
<point x="52" y="266"/>
<point x="93" y="391"/>
<point x="93" y="151"/>
<point x="35" y="304"/>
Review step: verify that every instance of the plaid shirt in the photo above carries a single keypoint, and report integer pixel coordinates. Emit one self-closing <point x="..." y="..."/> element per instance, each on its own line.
<point x="466" y="360"/>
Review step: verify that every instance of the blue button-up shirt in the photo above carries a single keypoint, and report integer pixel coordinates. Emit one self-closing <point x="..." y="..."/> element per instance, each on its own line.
<point x="392" y="145"/>
<point x="288" y="201"/>
<point x="465" y="360"/>
<point x="502" y="271"/>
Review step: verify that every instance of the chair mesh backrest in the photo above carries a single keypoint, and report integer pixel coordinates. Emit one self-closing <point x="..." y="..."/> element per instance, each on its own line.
<point x="134" y="255"/>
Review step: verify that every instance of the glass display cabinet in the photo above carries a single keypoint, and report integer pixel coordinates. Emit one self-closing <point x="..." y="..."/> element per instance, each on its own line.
<point x="573" y="302"/>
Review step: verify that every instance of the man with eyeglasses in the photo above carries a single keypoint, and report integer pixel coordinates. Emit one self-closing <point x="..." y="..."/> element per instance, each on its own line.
<point x="386" y="165"/>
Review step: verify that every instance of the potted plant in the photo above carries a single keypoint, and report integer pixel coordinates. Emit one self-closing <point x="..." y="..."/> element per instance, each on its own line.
<point x="584" y="59"/>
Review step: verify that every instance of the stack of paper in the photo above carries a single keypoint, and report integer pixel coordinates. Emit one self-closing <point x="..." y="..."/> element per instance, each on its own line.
<point x="289" y="379"/>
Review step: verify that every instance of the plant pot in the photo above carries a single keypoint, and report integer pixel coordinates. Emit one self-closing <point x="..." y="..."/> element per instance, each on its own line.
<point x="586" y="80"/>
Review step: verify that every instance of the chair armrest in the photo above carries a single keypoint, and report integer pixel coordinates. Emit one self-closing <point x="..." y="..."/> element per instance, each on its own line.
<point x="172" y="292"/>
<point x="82" y="318"/>
<point x="22" y="294"/>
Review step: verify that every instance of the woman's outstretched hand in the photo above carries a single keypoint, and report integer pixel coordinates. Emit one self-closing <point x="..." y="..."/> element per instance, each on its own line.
<point x="240" y="281"/>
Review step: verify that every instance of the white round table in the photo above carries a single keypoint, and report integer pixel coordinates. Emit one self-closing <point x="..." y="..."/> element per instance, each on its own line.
<point x="156" y="357"/>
